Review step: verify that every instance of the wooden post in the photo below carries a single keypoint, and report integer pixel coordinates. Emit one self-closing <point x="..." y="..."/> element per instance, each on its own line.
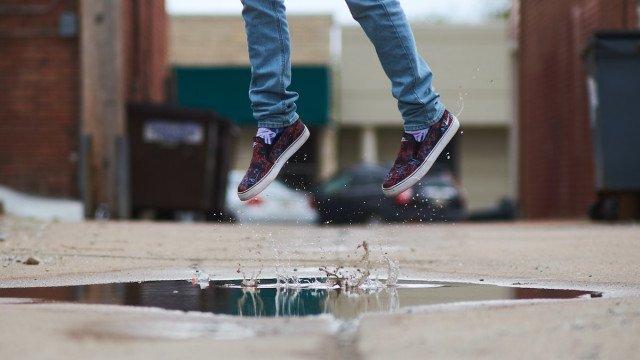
<point x="328" y="150"/>
<point x="369" y="145"/>
<point x="102" y="98"/>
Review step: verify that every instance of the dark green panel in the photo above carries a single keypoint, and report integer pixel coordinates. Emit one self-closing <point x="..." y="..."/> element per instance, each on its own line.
<point x="226" y="91"/>
<point x="312" y="83"/>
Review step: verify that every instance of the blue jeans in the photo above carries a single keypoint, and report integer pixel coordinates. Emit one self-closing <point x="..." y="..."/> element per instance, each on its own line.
<point x="387" y="27"/>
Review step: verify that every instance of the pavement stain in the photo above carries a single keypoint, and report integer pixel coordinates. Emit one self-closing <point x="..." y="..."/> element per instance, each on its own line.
<point x="79" y="248"/>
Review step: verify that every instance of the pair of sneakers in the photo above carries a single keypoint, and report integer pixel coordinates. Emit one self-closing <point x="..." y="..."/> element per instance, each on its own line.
<point x="413" y="162"/>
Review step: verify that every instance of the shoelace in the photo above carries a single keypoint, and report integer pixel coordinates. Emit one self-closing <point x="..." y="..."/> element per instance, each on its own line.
<point x="419" y="135"/>
<point x="268" y="134"/>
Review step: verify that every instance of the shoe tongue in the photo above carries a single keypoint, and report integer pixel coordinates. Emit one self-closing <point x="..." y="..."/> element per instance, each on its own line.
<point x="407" y="137"/>
<point x="259" y="144"/>
<point x="408" y="144"/>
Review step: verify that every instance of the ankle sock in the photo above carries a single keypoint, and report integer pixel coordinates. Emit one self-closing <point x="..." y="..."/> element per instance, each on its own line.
<point x="268" y="134"/>
<point x="419" y="135"/>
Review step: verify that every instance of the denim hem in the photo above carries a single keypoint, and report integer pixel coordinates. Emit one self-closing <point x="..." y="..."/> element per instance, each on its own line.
<point x="419" y="126"/>
<point x="278" y="123"/>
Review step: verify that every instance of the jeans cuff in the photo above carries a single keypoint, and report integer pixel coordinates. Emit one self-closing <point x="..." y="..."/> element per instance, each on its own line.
<point x="415" y="125"/>
<point x="279" y="123"/>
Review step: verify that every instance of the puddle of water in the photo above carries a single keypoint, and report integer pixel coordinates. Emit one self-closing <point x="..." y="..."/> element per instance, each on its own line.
<point x="269" y="299"/>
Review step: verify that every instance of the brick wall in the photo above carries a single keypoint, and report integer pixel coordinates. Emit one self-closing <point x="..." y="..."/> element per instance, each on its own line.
<point x="556" y="156"/>
<point x="39" y="91"/>
<point x="40" y="87"/>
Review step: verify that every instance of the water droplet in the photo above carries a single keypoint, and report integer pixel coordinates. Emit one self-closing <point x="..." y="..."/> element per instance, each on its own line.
<point x="102" y="213"/>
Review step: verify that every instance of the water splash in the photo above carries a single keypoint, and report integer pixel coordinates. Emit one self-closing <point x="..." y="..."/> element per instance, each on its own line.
<point x="201" y="279"/>
<point x="360" y="271"/>
<point x="252" y="281"/>
<point x="359" y="276"/>
<point x="393" y="271"/>
<point x="285" y="275"/>
<point x="102" y="212"/>
<point x="460" y="103"/>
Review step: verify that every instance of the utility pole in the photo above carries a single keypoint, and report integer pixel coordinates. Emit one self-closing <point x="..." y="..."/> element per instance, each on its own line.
<point x="102" y="106"/>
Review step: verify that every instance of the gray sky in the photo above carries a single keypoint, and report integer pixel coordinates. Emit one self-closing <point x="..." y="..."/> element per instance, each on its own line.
<point x="457" y="11"/>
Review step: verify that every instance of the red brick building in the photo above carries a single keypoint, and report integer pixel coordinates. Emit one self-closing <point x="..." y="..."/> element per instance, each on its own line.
<point x="48" y="87"/>
<point x="555" y="151"/>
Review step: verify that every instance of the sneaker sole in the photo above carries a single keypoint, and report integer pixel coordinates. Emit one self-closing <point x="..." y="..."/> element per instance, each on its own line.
<point x="275" y="169"/>
<point x="422" y="170"/>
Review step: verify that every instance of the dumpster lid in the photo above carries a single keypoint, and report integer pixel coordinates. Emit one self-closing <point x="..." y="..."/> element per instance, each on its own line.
<point x="616" y="34"/>
<point x="171" y="111"/>
<point x="612" y="43"/>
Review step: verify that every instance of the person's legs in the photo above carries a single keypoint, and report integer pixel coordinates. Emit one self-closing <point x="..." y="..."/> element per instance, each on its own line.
<point x="269" y="53"/>
<point x="387" y="27"/>
<point x="280" y="131"/>
<point x="428" y="126"/>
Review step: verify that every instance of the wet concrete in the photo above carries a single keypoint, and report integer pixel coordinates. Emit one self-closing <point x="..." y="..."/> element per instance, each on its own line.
<point x="569" y="255"/>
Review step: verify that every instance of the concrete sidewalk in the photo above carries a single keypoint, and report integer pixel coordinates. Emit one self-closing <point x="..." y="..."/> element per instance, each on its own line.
<point x="563" y="255"/>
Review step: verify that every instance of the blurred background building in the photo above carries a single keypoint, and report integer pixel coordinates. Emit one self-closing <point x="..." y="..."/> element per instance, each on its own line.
<point x="70" y="67"/>
<point x="472" y="67"/>
<point x="210" y="68"/>
<point x="556" y="167"/>
<point x="472" y="73"/>
<point x="67" y="70"/>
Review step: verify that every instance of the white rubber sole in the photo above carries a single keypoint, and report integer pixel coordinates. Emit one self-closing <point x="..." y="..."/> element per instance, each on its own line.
<point x="275" y="169"/>
<point x="422" y="170"/>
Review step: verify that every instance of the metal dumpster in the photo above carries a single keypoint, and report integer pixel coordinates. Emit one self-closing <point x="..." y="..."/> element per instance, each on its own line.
<point x="613" y="78"/>
<point x="179" y="159"/>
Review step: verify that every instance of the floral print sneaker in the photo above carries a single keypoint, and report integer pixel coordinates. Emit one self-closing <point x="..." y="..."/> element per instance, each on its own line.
<point x="267" y="160"/>
<point x="416" y="158"/>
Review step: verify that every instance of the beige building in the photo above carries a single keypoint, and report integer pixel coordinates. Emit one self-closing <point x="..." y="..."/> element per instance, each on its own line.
<point x="472" y="73"/>
<point x="221" y="41"/>
<point x="471" y="66"/>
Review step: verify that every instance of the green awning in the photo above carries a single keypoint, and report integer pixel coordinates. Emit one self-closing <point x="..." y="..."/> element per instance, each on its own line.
<point x="226" y="91"/>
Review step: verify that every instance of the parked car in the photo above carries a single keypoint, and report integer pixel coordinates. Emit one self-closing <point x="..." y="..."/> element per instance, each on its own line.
<point x="355" y="196"/>
<point x="276" y="204"/>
